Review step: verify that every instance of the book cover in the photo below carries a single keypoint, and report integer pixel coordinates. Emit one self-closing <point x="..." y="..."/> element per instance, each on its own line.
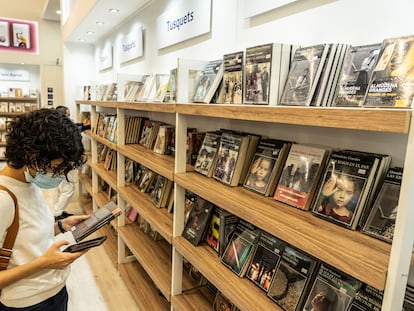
<point x="213" y="230"/>
<point x="96" y="221"/>
<point x="233" y="78"/>
<point x="367" y="298"/>
<point x="331" y="290"/>
<point x="208" y="82"/>
<point x="293" y="277"/>
<point x="259" y="64"/>
<point x="222" y="303"/>
<point x="266" y="258"/>
<point x="392" y="82"/>
<point x="381" y="220"/>
<point x="228" y="223"/>
<point x="4" y="33"/>
<point x="304" y="73"/>
<point x="21" y="35"/>
<point x="171" y="91"/>
<point x="161" y="85"/>
<point x="355" y="75"/>
<point x="266" y="166"/>
<point x="344" y="188"/>
<point x="231" y="156"/>
<point x="160" y="189"/>
<point x="207" y="155"/>
<point x="239" y="250"/>
<point x="300" y="176"/>
<point x="198" y="220"/>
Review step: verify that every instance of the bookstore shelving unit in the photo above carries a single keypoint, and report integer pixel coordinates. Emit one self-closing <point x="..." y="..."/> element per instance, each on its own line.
<point x="160" y="263"/>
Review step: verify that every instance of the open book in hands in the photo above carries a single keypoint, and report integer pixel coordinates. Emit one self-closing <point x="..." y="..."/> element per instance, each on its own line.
<point x="96" y="221"/>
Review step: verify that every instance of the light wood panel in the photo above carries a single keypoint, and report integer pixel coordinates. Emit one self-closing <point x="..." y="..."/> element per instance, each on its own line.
<point x="156" y="259"/>
<point x="155" y="107"/>
<point x="197" y="299"/>
<point x="159" y="218"/>
<point x="141" y="288"/>
<point x="161" y="164"/>
<point x="240" y="291"/>
<point x="383" y="120"/>
<point x="353" y="252"/>
<point x="108" y="176"/>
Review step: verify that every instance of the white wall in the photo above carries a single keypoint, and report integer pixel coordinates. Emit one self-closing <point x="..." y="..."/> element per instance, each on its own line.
<point x="303" y="22"/>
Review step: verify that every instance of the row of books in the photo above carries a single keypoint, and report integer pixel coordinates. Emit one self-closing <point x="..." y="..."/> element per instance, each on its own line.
<point x="288" y="276"/>
<point x="6" y="106"/>
<point x="107" y="156"/>
<point x="18" y="92"/>
<point x="145" y="180"/>
<point x="351" y="188"/>
<point x="106" y="126"/>
<point x="326" y="74"/>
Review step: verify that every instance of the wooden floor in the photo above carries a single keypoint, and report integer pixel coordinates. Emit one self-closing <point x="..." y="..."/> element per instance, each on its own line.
<point x="94" y="283"/>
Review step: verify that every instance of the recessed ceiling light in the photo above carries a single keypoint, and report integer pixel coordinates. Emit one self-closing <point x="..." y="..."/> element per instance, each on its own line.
<point x="114" y="10"/>
<point x="99" y="23"/>
<point x="81" y="40"/>
<point x="58" y="12"/>
<point x="90" y="33"/>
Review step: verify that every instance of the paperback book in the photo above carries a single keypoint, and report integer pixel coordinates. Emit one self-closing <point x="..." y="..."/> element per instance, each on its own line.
<point x="392" y="82"/>
<point x="231" y="156"/>
<point x="345" y="187"/>
<point x="332" y="289"/>
<point x="266" y="166"/>
<point x="208" y="82"/>
<point x="367" y="298"/>
<point x="300" y="176"/>
<point x="228" y="223"/>
<point x="304" y="73"/>
<point x="198" y="221"/>
<point x="239" y="251"/>
<point x="381" y="220"/>
<point x="233" y="78"/>
<point x="292" y="279"/>
<point x="356" y="73"/>
<point x="265" y="260"/>
<point x="207" y="156"/>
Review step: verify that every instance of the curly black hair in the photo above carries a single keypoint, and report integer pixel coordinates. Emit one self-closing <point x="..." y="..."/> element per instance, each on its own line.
<point x="38" y="137"/>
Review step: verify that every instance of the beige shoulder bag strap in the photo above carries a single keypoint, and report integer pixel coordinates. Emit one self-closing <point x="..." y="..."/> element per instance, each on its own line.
<point x="7" y="249"/>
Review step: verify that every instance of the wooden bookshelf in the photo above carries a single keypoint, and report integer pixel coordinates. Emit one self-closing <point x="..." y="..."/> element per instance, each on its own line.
<point x="158" y="218"/>
<point x="375" y="119"/>
<point x="142" y="288"/>
<point x="156" y="259"/>
<point x="161" y="164"/>
<point x="194" y="299"/>
<point x="353" y="252"/>
<point x="243" y="293"/>
<point x="108" y="176"/>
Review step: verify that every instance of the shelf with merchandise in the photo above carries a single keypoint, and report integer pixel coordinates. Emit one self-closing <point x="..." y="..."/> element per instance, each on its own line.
<point x="381" y="120"/>
<point x="158" y="218"/>
<point x="156" y="258"/>
<point x="108" y="176"/>
<point x="198" y="299"/>
<point x="243" y="293"/>
<point x="299" y="228"/>
<point x="146" y="296"/>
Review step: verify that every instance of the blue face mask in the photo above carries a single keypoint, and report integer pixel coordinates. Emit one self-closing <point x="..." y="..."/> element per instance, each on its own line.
<point x="43" y="180"/>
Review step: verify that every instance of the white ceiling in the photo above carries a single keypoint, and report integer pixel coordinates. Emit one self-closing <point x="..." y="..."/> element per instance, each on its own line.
<point x="101" y="12"/>
<point x="50" y="10"/>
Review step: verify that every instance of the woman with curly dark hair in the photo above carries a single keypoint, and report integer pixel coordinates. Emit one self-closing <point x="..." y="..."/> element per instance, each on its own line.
<point x="42" y="147"/>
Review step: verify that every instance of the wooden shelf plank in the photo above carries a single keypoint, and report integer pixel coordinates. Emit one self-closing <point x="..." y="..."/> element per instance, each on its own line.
<point x="108" y="104"/>
<point x="142" y="288"/>
<point x="154" y="107"/>
<point x="243" y="293"/>
<point x="353" y="252"/>
<point x="161" y="164"/>
<point x="156" y="259"/>
<point x="109" y="176"/>
<point x="159" y="218"/>
<point x="104" y="141"/>
<point x="193" y="300"/>
<point x="383" y="120"/>
<point x="18" y="99"/>
<point x="86" y="182"/>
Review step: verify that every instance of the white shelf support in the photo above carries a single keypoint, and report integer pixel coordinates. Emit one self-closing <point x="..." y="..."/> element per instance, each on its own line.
<point x="403" y="240"/>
